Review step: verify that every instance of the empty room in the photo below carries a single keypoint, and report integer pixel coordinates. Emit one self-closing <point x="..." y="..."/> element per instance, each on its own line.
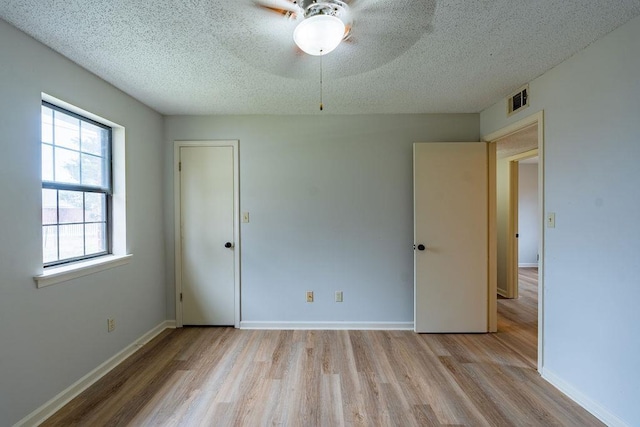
<point x="319" y="213"/>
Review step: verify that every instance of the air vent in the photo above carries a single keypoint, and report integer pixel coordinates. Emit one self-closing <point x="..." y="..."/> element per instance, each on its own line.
<point x="518" y="100"/>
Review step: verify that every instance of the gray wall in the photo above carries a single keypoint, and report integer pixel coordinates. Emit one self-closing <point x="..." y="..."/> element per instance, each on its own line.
<point x="528" y="217"/>
<point x="591" y="105"/>
<point x="331" y="204"/>
<point x="51" y="337"/>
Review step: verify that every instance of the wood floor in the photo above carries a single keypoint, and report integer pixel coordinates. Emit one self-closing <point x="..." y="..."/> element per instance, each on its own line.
<point x="229" y="377"/>
<point x="518" y="318"/>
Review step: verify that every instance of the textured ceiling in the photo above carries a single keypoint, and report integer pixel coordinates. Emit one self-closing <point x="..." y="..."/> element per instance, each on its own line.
<point x="517" y="142"/>
<point x="231" y="57"/>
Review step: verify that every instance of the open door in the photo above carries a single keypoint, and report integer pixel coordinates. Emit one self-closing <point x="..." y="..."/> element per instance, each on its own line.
<point x="451" y="237"/>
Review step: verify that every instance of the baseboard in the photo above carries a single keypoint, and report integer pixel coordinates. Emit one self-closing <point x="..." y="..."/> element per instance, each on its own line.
<point x="52" y="406"/>
<point x="597" y="410"/>
<point x="385" y="326"/>
<point x="527" y="264"/>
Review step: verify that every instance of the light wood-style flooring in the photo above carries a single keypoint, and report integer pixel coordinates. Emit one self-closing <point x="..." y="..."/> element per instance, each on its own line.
<point x="229" y="377"/>
<point x="518" y="318"/>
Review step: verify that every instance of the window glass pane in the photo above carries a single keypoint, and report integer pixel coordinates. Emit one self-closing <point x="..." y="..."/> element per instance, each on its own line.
<point x="95" y="207"/>
<point x="47" y="162"/>
<point x="67" y="130"/>
<point x="49" y="206"/>
<point x="92" y="139"/>
<point x="70" y="206"/>
<point x="92" y="170"/>
<point x="71" y="240"/>
<point x="47" y="125"/>
<point x="50" y="243"/>
<point x="67" y="166"/>
<point x="95" y="236"/>
<point x="74" y="151"/>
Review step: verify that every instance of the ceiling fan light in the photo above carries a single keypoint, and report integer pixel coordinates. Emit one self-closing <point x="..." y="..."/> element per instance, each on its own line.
<point x="319" y="34"/>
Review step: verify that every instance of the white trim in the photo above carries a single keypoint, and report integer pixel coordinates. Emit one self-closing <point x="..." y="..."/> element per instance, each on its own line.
<point x="52" y="406"/>
<point x="537" y="118"/>
<point x="177" y="220"/>
<point x="63" y="273"/>
<point x="119" y="206"/>
<point x="597" y="410"/>
<point x="515" y="127"/>
<point x="527" y="264"/>
<point x="364" y="326"/>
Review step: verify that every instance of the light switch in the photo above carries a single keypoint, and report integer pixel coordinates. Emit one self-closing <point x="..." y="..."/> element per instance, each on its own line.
<point x="551" y="220"/>
<point x="245" y="217"/>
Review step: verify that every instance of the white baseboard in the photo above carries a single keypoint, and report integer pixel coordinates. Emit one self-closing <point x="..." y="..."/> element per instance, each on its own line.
<point x="528" y="264"/>
<point x="384" y="326"/>
<point x="597" y="410"/>
<point x="52" y="406"/>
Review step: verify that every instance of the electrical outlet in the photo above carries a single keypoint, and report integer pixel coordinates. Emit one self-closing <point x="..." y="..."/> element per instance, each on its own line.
<point x="338" y="296"/>
<point x="309" y="296"/>
<point x="111" y="325"/>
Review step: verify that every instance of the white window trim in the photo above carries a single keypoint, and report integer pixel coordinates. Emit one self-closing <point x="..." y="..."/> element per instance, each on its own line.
<point x="66" y="272"/>
<point x="120" y="255"/>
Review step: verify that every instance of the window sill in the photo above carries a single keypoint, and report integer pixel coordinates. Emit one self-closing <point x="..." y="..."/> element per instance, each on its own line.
<point x="54" y="275"/>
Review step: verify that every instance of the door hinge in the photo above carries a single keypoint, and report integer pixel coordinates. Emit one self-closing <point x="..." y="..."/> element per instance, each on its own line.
<point x="180" y="296"/>
<point x="179" y="166"/>
<point x="517" y="235"/>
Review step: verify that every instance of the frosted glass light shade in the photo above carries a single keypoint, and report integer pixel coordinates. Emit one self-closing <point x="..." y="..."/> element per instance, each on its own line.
<point x="319" y="34"/>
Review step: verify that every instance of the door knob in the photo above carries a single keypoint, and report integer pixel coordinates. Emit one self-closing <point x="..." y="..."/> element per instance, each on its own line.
<point x="421" y="247"/>
<point x="228" y="245"/>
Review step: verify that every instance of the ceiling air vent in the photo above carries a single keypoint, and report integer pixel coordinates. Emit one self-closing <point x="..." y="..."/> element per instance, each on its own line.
<point x="518" y="100"/>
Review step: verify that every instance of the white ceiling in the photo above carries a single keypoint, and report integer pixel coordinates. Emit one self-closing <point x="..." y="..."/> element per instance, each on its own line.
<point x="231" y="57"/>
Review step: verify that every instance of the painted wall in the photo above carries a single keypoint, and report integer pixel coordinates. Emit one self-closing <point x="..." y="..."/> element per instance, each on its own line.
<point x="51" y="337"/>
<point x="528" y="218"/>
<point x="591" y="105"/>
<point x="331" y="205"/>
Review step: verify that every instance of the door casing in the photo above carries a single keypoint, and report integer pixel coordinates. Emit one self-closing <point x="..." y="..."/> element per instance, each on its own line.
<point x="177" y="221"/>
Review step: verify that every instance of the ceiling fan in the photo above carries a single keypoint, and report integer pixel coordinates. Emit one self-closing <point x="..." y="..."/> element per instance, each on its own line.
<point x="323" y="24"/>
<point x="375" y="33"/>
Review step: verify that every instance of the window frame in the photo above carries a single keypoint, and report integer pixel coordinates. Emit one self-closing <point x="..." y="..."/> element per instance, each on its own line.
<point x="83" y="189"/>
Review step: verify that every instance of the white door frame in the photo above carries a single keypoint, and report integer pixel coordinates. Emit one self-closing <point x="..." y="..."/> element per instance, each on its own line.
<point x="512" y="221"/>
<point x="177" y="221"/>
<point x="537" y="118"/>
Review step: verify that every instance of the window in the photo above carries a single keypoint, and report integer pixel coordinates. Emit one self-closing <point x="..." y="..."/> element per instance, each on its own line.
<point x="76" y="186"/>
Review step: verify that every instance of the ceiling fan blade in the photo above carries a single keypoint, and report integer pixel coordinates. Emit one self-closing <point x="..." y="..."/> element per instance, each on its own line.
<point x="284" y="7"/>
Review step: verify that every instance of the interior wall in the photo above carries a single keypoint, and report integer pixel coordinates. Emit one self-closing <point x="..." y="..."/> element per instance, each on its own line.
<point x="528" y="217"/>
<point x="51" y="337"/>
<point x="591" y="105"/>
<point x="331" y="208"/>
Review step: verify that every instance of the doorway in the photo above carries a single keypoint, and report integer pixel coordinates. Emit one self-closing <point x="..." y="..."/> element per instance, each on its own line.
<point x="207" y="239"/>
<point x="518" y="222"/>
<point x="521" y="319"/>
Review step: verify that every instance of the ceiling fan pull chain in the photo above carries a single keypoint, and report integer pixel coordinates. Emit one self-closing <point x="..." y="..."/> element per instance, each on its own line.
<point x="321" y="106"/>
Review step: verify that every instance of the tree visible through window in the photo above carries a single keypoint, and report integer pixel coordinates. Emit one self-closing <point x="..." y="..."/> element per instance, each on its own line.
<point x="76" y="186"/>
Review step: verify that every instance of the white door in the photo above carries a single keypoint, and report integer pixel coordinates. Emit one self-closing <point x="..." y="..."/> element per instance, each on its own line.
<point x="207" y="235"/>
<point x="451" y="237"/>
